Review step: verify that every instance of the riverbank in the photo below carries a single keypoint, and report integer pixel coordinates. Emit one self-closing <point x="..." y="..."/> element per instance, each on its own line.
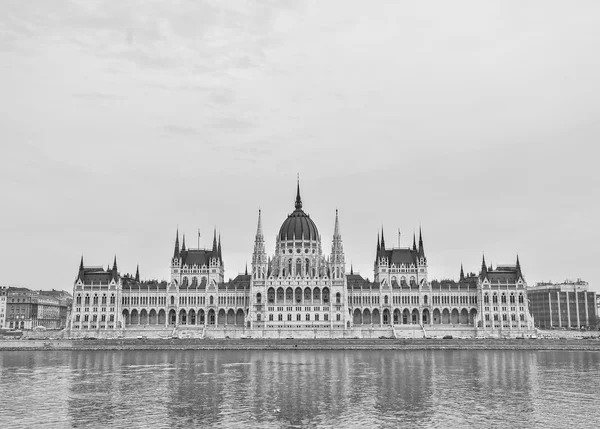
<point x="299" y="344"/>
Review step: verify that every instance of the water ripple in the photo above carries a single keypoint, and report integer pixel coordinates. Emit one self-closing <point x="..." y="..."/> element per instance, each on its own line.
<point x="272" y="389"/>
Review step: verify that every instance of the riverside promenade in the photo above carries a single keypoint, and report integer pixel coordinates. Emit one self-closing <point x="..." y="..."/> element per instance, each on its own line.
<point x="591" y="344"/>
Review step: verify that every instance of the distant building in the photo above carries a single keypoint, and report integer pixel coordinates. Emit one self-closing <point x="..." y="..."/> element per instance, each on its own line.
<point x="569" y="304"/>
<point x="28" y="309"/>
<point x="3" y="290"/>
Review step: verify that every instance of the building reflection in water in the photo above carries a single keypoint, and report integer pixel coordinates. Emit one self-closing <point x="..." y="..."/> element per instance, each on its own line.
<point x="299" y="388"/>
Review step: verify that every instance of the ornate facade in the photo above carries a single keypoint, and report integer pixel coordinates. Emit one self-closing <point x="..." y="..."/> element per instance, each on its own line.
<point x="299" y="287"/>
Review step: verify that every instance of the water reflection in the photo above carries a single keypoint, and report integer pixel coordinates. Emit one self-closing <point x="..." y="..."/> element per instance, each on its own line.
<point x="300" y="388"/>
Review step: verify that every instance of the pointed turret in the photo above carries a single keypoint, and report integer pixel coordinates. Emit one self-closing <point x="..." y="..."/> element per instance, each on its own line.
<point x="336" y="227"/>
<point x="382" y="240"/>
<point x="259" y="230"/>
<point x="337" y="249"/>
<point x="462" y="273"/>
<point x="220" y="255"/>
<point x="246" y="270"/>
<point x="183" y="249"/>
<point x="114" y="269"/>
<point x="176" y="252"/>
<point x="414" y="242"/>
<point x="484" y="269"/>
<point x="351" y="270"/>
<point x="378" y="249"/>
<point x="81" y="273"/>
<point x="421" y="248"/>
<point x="519" y="273"/>
<point x="298" y="199"/>
<point x="214" y="246"/>
<point x="260" y="266"/>
<point x="137" y="273"/>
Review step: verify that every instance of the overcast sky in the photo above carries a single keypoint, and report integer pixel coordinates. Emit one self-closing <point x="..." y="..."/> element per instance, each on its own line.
<point x="120" y="120"/>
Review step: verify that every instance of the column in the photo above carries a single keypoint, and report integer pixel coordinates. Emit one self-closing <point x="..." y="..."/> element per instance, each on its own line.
<point x="550" y="307"/>
<point x="587" y="316"/>
<point x="568" y="311"/>
<point x="558" y="306"/>
<point x="577" y="308"/>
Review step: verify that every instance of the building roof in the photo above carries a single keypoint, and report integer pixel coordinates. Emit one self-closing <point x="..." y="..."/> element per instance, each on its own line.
<point x="197" y="257"/>
<point x="298" y="225"/>
<point x="401" y="256"/>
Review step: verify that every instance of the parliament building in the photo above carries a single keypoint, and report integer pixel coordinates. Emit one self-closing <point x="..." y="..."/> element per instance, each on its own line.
<point x="300" y="288"/>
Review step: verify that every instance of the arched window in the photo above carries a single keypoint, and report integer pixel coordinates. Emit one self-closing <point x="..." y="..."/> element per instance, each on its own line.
<point x="271" y="295"/>
<point x="258" y="298"/>
<point x="211" y="300"/>
<point x="290" y="267"/>
<point x="103" y="299"/>
<point x="520" y="298"/>
<point x="95" y="299"/>
<point x="425" y="300"/>
<point x="512" y="298"/>
<point x="503" y="298"/>
<point x="385" y="299"/>
<point x="495" y="299"/>
<point x="194" y="281"/>
<point x="172" y="300"/>
<point x="298" y="266"/>
<point x="280" y="294"/>
<point x="112" y="299"/>
<point x="78" y="299"/>
<point x="486" y="299"/>
<point x="338" y="298"/>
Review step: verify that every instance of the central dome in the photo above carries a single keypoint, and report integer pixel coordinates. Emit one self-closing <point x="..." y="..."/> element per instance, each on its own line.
<point x="298" y="225"/>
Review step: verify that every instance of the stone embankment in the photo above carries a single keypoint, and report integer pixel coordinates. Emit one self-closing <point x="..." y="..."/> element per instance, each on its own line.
<point x="302" y="344"/>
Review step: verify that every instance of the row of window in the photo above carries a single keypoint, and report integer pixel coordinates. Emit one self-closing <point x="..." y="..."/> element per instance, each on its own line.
<point x="513" y="317"/>
<point x="144" y="300"/>
<point x="486" y="298"/>
<point x="453" y="299"/>
<point x="299" y="317"/>
<point x="95" y="299"/>
<point x="86" y="318"/>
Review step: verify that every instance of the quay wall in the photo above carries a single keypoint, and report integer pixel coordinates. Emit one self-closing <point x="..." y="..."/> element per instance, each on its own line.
<point x="299" y="344"/>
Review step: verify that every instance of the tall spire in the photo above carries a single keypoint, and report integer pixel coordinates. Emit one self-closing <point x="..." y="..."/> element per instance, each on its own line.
<point x="518" y="266"/>
<point x="336" y="228"/>
<point x="462" y="273"/>
<point x="183" y="244"/>
<point x="382" y="239"/>
<point x="421" y="248"/>
<point x="259" y="256"/>
<point x="414" y="242"/>
<point x="246" y="270"/>
<point x="214" y="246"/>
<point x="378" y="245"/>
<point x="137" y="273"/>
<point x="351" y="269"/>
<point x="81" y="270"/>
<point x="114" y="269"/>
<point x="483" y="267"/>
<point x="259" y="231"/>
<point x="219" y="250"/>
<point x="176" y="252"/>
<point x="298" y="199"/>
<point x="337" y="248"/>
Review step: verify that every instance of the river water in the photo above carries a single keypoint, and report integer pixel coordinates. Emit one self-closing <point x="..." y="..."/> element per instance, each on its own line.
<point x="364" y="389"/>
